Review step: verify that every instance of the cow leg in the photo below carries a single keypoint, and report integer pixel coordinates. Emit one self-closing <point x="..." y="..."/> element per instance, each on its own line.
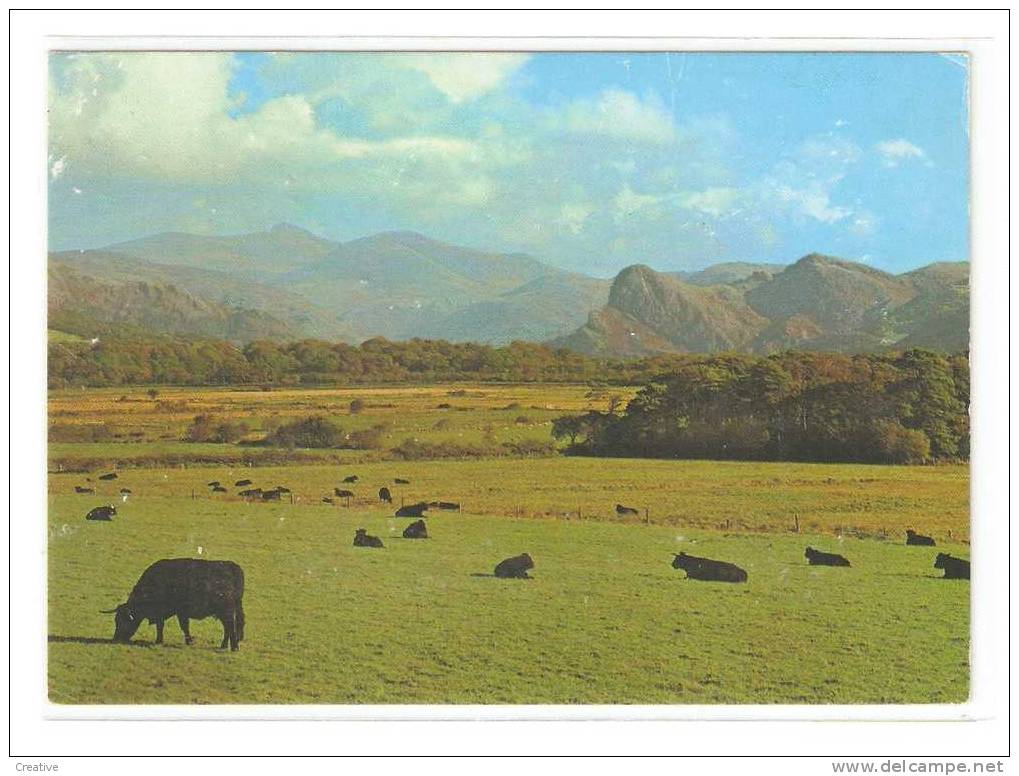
<point x="227" y="620"/>
<point x="185" y="627"/>
<point x="159" y="631"/>
<point x="234" y="640"/>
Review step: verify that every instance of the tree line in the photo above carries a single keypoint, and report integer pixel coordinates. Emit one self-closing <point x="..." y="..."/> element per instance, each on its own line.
<point x="167" y="360"/>
<point x="905" y="407"/>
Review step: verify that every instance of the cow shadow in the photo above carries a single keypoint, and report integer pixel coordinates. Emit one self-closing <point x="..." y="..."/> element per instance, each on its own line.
<point x="93" y="640"/>
<point x="493" y="576"/>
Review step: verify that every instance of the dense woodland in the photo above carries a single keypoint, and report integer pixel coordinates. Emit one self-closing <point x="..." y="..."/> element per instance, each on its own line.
<point x="178" y="361"/>
<point x="908" y="407"/>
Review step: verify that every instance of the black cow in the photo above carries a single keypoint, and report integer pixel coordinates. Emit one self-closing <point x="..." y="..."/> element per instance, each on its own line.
<point x="125" y="491"/>
<point x="818" y="558"/>
<point x="515" y="567"/>
<point x="327" y="500"/>
<point x="213" y="484"/>
<point x="416" y="530"/>
<point x="351" y="478"/>
<point x="449" y="505"/>
<point x="242" y="483"/>
<point x="187" y="589"/>
<point x="219" y="489"/>
<point x="340" y="493"/>
<point x="80" y="489"/>
<point x="400" y="481"/>
<point x="955" y="568"/>
<point x="412" y="510"/>
<point x="621" y="510"/>
<point x="918" y="539"/>
<point x="385" y="495"/>
<point x="281" y="489"/>
<point x="270" y="495"/>
<point x="363" y="539"/>
<point x="251" y="493"/>
<point x="709" y="570"/>
<point x="102" y="513"/>
<point x="110" y="476"/>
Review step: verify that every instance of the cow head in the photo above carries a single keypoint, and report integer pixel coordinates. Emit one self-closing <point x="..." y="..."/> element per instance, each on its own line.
<point x="677" y="562"/>
<point x="126" y="621"/>
<point x="809" y="551"/>
<point x="939" y="562"/>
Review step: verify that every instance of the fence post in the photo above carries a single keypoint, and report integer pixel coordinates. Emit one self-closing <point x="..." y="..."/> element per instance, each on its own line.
<point x="647" y="516"/>
<point x="192" y="494"/>
<point x="797" y="519"/>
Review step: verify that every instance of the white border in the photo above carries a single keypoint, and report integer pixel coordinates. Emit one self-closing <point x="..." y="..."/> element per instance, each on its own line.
<point x="984" y="35"/>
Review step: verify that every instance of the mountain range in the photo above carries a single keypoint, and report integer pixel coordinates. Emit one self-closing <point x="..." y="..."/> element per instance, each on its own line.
<point x="287" y="283"/>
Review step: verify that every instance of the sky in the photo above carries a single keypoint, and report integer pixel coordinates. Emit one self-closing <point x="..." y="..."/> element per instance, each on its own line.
<point x="590" y="162"/>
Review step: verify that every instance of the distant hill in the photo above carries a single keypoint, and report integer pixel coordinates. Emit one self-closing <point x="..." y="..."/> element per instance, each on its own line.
<point x="393" y="284"/>
<point x="77" y="301"/>
<point x="818" y="303"/>
<point x="287" y="283"/>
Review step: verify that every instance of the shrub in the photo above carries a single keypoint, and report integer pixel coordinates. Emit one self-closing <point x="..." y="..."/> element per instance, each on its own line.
<point x="315" y="431"/>
<point x="898" y="444"/>
<point x="205" y="428"/>
<point x="356" y="406"/>
<point x="522" y="419"/>
<point x="366" y="438"/>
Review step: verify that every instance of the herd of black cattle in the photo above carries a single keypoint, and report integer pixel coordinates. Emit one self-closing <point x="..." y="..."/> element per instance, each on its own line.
<point x="192" y="589"/>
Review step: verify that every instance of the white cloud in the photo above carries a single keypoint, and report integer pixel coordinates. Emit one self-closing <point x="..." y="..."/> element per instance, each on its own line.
<point x="812" y="201"/>
<point x="629" y="203"/>
<point x="715" y="201"/>
<point x="573" y="215"/>
<point x="467" y="75"/>
<point x="167" y="117"/>
<point x="57" y="167"/>
<point x="619" y="114"/>
<point x="898" y="150"/>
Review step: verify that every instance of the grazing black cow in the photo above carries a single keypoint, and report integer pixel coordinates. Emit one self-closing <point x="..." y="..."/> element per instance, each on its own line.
<point x="187" y="589"/>
<point x="327" y="500"/>
<point x="363" y="539"/>
<point x="400" y="481"/>
<point x="515" y="567"/>
<point x="709" y="570"/>
<point x="242" y="483"/>
<point x="385" y="495"/>
<point x="621" y="510"/>
<point x="252" y="493"/>
<point x="102" y="513"/>
<point x="219" y="489"/>
<point x="110" y="476"/>
<point x="270" y="495"/>
<point x="213" y="484"/>
<point x="281" y="489"/>
<point x="918" y="539"/>
<point x="351" y="478"/>
<point x="412" y="510"/>
<point x="125" y="491"/>
<point x="955" y="568"/>
<point x="448" y="505"/>
<point x="340" y="493"/>
<point x="818" y="558"/>
<point x="80" y="489"/>
<point x="416" y="530"/>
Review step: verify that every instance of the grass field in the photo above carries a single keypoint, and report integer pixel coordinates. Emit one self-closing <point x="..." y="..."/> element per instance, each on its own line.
<point x="605" y="619"/>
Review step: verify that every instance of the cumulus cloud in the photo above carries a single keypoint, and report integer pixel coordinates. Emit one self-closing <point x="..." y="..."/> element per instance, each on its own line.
<point x="629" y="203"/>
<point x="620" y="114"/>
<point x="167" y="117"/>
<point x="466" y="75"/>
<point x="898" y="150"/>
<point x="715" y="201"/>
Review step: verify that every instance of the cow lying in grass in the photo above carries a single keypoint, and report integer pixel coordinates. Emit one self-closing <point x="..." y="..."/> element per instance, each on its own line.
<point x="708" y="570"/>
<point x="416" y="530"/>
<point x="912" y="537"/>
<point x="102" y="513"/>
<point x="621" y="510"/>
<point x="955" y="568"/>
<point x="363" y="539"/>
<point x="515" y="567"/>
<point x="412" y="510"/>
<point x="818" y="558"/>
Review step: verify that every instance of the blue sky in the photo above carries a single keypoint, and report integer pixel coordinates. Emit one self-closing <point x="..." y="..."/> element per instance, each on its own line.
<point x="588" y="161"/>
